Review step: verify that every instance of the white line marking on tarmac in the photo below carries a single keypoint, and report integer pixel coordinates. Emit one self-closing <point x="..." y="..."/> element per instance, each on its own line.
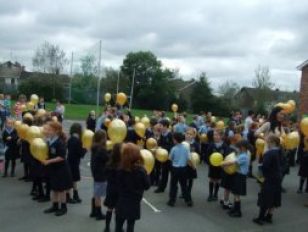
<point x="151" y="206"/>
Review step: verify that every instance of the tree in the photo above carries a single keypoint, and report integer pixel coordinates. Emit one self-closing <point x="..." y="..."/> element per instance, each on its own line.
<point x="88" y="65"/>
<point x="202" y="98"/>
<point x="49" y="58"/>
<point x="227" y="91"/>
<point x="263" y="86"/>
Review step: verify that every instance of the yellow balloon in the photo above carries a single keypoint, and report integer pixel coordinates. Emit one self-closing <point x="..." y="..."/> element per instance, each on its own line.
<point x="203" y="138"/>
<point x="33" y="133"/>
<point x="213" y="119"/>
<point x="39" y="149"/>
<point x="23" y="108"/>
<point x="29" y="116"/>
<point x="17" y="124"/>
<point x="161" y="155"/>
<point x="260" y="145"/>
<point x="87" y="138"/>
<point x="140" y="129"/>
<point x="216" y="159"/>
<point x="148" y="160"/>
<point x="22" y="132"/>
<point x="146" y="121"/>
<point x="174" y="108"/>
<point x="195" y="159"/>
<point x="30" y="105"/>
<point x="34" y="99"/>
<point x="107" y="122"/>
<point x="304" y="126"/>
<point x="121" y="98"/>
<point x="41" y="112"/>
<point x="117" y="131"/>
<point x="230" y="169"/>
<point x="109" y="145"/>
<point x="151" y="143"/>
<point x="107" y="97"/>
<point x="292" y="102"/>
<point x="292" y="140"/>
<point x="137" y="119"/>
<point x="220" y="125"/>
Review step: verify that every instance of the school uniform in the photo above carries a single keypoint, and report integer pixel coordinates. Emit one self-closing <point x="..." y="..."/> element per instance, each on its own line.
<point x="180" y="128"/>
<point x="192" y="172"/>
<point x="11" y="153"/>
<point x="179" y="156"/>
<point x="239" y="181"/>
<point x="303" y="166"/>
<point x="41" y="105"/>
<point x="227" y="179"/>
<point x="26" y="158"/>
<point x="111" y="192"/>
<point x="165" y="141"/>
<point x="130" y="187"/>
<point x="75" y="153"/>
<point x="59" y="173"/>
<point x="91" y="124"/>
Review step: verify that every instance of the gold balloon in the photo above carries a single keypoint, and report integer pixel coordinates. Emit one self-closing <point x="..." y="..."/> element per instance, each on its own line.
<point x="33" y="133"/>
<point x="107" y="97"/>
<point x="161" y="155"/>
<point x="174" y="108"/>
<point x="195" y="159"/>
<point x="109" y="145"/>
<point x="140" y="129"/>
<point x="87" y="138"/>
<point x="29" y="116"/>
<point x="30" y="105"/>
<point x="304" y="126"/>
<point x="203" y="138"/>
<point x="216" y="159"/>
<point x="22" y="132"/>
<point x="292" y="140"/>
<point x="187" y="145"/>
<point x="220" y="125"/>
<point x="213" y="119"/>
<point x="148" y="160"/>
<point x="151" y="143"/>
<point x="107" y="122"/>
<point x="121" y="98"/>
<point x="230" y="169"/>
<point x="34" y="99"/>
<point x="146" y="121"/>
<point x="41" y="112"/>
<point x="292" y="102"/>
<point x="17" y="124"/>
<point x="137" y="119"/>
<point x="260" y="146"/>
<point x="117" y="131"/>
<point x="39" y="149"/>
<point x="23" y="108"/>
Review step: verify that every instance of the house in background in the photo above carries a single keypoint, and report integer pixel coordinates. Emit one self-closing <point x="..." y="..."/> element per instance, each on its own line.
<point x="303" y="106"/>
<point x="10" y="76"/>
<point x="247" y="98"/>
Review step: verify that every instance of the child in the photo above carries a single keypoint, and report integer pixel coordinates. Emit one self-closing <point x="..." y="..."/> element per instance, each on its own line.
<point x="99" y="159"/>
<point x="270" y="195"/>
<point x="41" y="103"/>
<point x="215" y="172"/>
<point x="59" y="175"/>
<point x="19" y="105"/>
<point x="75" y="153"/>
<point x="10" y="140"/>
<point x="180" y="157"/>
<point x="165" y="141"/>
<point x="303" y="165"/>
<point x="132" y="181"/>
<point x="91" y="121"/>
<point x="190" y="137"/>
<point x="111" y="193"/>
<point x="239" y="179"/>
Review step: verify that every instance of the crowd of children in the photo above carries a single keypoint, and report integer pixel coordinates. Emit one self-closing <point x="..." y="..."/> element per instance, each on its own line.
<point x="119" y="178"/>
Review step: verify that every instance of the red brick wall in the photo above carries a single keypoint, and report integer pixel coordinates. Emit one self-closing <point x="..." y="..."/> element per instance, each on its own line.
<point x="304" y="92"/>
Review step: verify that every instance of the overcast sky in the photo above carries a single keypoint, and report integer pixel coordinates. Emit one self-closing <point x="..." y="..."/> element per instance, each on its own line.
<point x="227" y="39"/>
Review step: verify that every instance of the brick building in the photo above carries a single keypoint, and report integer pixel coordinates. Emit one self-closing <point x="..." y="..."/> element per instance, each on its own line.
<point x="303" y="107"/>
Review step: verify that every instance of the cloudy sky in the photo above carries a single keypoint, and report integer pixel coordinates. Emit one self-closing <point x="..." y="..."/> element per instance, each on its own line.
<point x="227" y="39"/>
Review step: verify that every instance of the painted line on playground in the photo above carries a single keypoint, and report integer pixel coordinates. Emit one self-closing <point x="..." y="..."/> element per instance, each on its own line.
<point x="151" y="206"/>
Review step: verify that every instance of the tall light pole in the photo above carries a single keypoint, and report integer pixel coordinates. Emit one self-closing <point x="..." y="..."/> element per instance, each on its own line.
<point x="132" y="90"/>
<point x="99" y="76"/>
<point x="71" y="74"/>
<point x="118" y="81"/>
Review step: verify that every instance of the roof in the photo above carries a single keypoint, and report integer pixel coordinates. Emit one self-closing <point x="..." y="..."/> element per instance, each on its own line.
<point x="275" y="94"/>
<point x="303" y="65"/>
<point x="10" y="70"/>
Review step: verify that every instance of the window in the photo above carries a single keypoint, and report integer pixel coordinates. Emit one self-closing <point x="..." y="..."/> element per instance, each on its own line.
<point x="12" y="81"/>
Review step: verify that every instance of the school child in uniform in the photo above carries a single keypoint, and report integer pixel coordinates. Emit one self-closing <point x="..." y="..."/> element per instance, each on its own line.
<point x="190" y="137"/>
<point x="252" y="140"/>
<point x="180" y="157"/>
<point x="10" y="138"/>
<point x="270" y="195"/>
<point x="99" y="159"/>
<point x="165" y="141"/>
<point x="149" y="133"/>
<point x="111" y="192"/>
<point x="239" y="179"/>
<point x="75" y="153"/>
<point x="59" y="174"/>
<point x="227" y="179"/>
<point x="303" y="165"/>
<point x="41" y="103"/>
<point x="91" y="121"/>
<point x="214" y="173"/>
<point x="132" y="180"/>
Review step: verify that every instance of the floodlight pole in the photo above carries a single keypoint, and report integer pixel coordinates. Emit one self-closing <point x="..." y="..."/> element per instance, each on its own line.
<point x="99" y="77"/>
<point x="71" y="74"/>
<point x="118" y="81"/>
<point x="132" y="90"/>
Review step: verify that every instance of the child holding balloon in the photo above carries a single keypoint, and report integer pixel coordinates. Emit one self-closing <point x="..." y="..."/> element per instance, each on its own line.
<point x="10" y="140"/>
<point x="99" y="159"/>
<point x="239" y="179"/>
<point x="57" y="168"/>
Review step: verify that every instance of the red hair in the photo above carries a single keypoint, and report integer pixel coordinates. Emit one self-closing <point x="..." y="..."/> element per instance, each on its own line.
<point x="131" y="157"/>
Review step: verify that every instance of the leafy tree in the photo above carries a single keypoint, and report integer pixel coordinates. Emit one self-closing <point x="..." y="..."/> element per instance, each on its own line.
<point x="88" y="65"/>
<point x="49" y="58"/>
<point x="227" y="91"/>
